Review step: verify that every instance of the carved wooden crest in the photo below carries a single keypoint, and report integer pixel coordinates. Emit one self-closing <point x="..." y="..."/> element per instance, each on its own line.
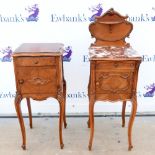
<point x="110" y="29"/>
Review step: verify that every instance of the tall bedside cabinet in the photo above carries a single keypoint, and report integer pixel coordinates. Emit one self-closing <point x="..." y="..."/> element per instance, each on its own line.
<point x="39" y="74"/>
<point x="114" y="66"/>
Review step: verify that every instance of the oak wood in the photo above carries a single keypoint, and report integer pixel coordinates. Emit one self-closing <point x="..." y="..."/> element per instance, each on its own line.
<point x="113" y="67"/>
<point x="39" y="74"/>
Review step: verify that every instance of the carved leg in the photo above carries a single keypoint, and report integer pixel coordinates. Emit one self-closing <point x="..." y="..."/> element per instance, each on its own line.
<point x="64" y="94"/>
<point x="132" y="117"/>
<point x="88" y="122"/>
<point x="20" y="118"/>
<point x="61" y="115"/>
<point x="91" y="121"/>
<point x="123" y="113"/>
<point x="30" y="112"/>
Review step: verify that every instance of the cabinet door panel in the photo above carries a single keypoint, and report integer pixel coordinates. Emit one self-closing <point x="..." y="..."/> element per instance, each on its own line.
<point x="36" y="80"/>
<point x="114" y="82"/>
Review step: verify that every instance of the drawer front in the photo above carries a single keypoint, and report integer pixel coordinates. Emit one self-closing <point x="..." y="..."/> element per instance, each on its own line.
<point x="114" y="82"/>
<point x="115" y="65"/>
<point x="36" y="81"/>
<point x="35" y="61"/>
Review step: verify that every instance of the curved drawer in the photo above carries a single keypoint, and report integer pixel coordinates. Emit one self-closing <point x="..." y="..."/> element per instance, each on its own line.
<point x="35" y="61"/>
<point x="106" y="65"/>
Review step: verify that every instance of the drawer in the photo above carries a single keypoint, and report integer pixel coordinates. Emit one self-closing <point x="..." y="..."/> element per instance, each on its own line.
<point x="106" y="65"/>
<point x="35" y="61"/>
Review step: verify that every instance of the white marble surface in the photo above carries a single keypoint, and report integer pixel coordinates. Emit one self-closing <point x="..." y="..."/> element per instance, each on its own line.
<point x="112" y="52"/>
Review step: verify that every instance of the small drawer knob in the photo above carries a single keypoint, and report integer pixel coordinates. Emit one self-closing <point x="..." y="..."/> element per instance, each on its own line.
<point x="97" y="83"/>
<point x="116" y="64"/>
<point x="36" y="62"/>
<point x="21" y="81"/>
<point x="132" y="65"/>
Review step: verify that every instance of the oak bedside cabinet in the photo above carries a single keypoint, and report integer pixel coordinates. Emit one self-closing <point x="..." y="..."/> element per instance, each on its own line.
<point x="39" y="74"/>
<point x="114" y="67"/>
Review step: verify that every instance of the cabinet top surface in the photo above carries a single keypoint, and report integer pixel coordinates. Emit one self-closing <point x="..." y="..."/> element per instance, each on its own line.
<point x="39" y="49"/>
<point x="113" y="53"/>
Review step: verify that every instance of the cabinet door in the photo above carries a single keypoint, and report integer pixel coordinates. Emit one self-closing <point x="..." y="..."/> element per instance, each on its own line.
<point x="114" y="82"/>
<point x="37" y="80"/>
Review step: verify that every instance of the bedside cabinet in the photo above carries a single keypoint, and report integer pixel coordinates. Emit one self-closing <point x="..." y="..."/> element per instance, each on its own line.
<point x="39" y="74"/>
<point x="114" y="66"/>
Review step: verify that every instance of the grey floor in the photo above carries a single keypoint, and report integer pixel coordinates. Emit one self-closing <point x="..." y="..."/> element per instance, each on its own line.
<point x="109" y="139"/>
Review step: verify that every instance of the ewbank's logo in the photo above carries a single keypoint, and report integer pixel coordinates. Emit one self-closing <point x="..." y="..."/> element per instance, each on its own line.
<point x="150" y="90"/>
<point x="31" y="15"/>
<point x="96" y="10"/>
<point x="153" y="17"/>
<point x="67" y="54"/>
<point x="78" y="16"/>
<point x="143" y="17"/>
<point x="6" y="54"/>
<point x="33" y="12"/>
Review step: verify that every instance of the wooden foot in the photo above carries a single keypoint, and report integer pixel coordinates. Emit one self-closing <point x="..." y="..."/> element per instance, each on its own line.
<point x="89" y="147"/>
<point x="23" y="147"/>
<point x="88" y="123"/>
<point x="62" y="146"/>
<point x="65" y="125"/>
<point x="31" y="126"/>
<point x="130" y="148"/>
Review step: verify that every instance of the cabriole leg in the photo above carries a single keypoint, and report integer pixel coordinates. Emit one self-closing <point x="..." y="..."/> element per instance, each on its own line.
<point x="91" y="121"/>
<point x="17" y="102"/>
<point x="29" y="111"/>
<point x="123" y="113"/>
<point x="132" y="117"/>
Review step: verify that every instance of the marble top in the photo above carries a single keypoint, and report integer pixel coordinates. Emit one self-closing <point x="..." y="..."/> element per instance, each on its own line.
<point x="112" y="52"/>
